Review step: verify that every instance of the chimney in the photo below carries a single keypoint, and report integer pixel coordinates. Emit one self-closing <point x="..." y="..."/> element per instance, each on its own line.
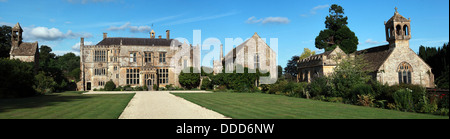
<point x="168" y="34"/>
<point x="159" y="37"/>
<point x="221" y="52"/>
<point x="81" y="42"/>
<point x="105" y="35"/>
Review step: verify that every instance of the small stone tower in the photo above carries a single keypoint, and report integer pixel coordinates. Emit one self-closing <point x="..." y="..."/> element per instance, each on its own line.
<point x="16" y="35"/>
<point x="398" y="30"/>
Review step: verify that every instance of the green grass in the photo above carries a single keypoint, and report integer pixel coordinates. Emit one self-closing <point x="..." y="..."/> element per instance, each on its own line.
<point x="266" y="106"/>
<point x="67" y="105"/>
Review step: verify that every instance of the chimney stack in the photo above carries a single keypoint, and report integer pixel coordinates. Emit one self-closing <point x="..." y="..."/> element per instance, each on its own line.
<point x="168" y="34"/>
<point x="159" y="37"/>
<point x="105" y="35"/>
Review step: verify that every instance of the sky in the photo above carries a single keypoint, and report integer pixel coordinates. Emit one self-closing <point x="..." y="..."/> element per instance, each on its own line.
<point x="295" y="23"/>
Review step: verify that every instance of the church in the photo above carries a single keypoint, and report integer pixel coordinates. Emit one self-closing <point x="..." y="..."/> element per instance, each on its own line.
<point x="23" y="51"/>
<point x="393" y="63"/>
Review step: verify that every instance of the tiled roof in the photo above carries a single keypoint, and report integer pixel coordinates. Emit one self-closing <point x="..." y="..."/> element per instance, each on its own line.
<point x="25" y="49"/>
<point x="137" y="41"/>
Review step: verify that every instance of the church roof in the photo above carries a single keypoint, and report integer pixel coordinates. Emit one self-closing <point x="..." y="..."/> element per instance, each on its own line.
<point x="136" y="41"/>
<point x="397" y="17"/>
<point x="375" y="56"/>
<point x="25" y="49"/>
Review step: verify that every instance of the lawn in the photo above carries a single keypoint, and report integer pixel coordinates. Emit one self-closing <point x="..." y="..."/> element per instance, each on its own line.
<point x="67" y="105"/>
<point x="267" y="106"/>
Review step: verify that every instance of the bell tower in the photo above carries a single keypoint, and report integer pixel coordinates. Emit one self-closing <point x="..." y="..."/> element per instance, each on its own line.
<point x="16" y="35"/>
<point x="398" y="30"/>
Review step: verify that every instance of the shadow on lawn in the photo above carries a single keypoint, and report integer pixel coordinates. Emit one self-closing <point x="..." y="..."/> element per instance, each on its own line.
<point x="38" y="101"/>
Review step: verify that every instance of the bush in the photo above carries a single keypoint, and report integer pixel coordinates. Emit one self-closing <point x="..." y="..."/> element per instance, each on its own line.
<point x="403" y="99"/>
<point x="318" y="87"/>
<point x="110" y="86"/>
<point x="361" y="94"/>
<point x="206" y="84"/>
<point x="189" y="80"/>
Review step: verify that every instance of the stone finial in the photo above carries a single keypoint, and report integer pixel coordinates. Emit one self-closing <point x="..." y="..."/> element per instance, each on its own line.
<point x="396" y="10"/>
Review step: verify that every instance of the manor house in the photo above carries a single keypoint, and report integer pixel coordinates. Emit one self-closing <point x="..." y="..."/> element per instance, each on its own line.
<point x="133" y="61"/>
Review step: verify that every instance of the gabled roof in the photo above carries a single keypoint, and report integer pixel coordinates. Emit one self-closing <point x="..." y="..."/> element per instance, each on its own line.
<point x="25" y="49"/>
<point x="137" y="41"/>
<point x="398" y="18"/>
<point x="375" y="56"/>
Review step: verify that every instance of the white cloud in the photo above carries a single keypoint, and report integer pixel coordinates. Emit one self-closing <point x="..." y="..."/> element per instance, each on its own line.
<point x="276" y="20"/>
<point x="370" y="41"/>
<point x="52" y="34"/>
<point x="314" y="10"/>
<point x="88" y="1"/>
<point x="133" y="29"/>
<point x="76" y="47"/>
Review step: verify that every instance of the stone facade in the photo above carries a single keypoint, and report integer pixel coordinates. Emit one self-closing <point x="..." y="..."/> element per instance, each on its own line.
<point x="393" y="63"/>
<point x="319" y="65"/>
<point x="133" y="61"/>
<point x="254" y="53"/>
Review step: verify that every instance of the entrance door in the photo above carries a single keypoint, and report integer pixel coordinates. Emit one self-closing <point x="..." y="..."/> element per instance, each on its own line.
<point x="88" y="86"/>
<point x="149" y="84"/>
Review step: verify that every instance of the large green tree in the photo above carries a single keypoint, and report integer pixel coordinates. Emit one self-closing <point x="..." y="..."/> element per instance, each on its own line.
<point x="337" y="32"/>
<point x="5" y="41"/>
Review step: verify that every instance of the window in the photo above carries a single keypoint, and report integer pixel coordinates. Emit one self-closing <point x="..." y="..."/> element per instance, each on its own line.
<point x="101" y="83"/>
<point x="132" y="76"/>
<point x="256" y="61"/>
<point x="99" y="56"/>
<point x="404" y="73"/>
<point x="100" y="72"/>
<point x="133" y="57"/>
<point x="162" y="57"/>
<point x="163" y="76"/>
<point x="148" y="57"/>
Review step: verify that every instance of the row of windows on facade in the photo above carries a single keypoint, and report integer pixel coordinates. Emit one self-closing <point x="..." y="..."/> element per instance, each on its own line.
<point x="100" y="56"/>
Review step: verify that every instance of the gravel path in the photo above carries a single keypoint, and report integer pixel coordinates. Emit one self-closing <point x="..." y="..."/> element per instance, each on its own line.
<point x="163" y="105"/>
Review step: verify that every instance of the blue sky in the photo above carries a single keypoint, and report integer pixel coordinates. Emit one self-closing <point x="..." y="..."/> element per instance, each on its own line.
<point x="60" y="23"/>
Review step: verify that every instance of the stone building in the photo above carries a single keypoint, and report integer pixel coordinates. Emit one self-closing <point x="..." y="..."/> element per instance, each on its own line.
<point x="392" y="63"/>
<point x="133" y="61"/>
<point x="254" y="53"/>
<point x="24" y="51"/>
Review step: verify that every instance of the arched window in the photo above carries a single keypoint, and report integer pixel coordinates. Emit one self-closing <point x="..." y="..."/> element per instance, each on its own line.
<point x="406" y="30"/>
<point x="404" y="73"/>
<point x="389" y="32"/>
<point x="398" y="29"/>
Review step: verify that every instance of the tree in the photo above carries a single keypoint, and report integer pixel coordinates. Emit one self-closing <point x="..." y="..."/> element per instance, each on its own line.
<point x="306" y="53"/>
<point x="336" y="32"/>
<point x="348" y="72"/>
<point x="437" y="59"/>
<point x="5" y="41"/>
<point x="17" y="78"/>
<point x="43" y="83"/>
<point x="189" y="80"/>
<point x="291" y="69"/>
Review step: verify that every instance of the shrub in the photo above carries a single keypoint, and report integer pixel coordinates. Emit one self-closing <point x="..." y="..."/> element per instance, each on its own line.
<point x="425" y="106"/>
<point x="110" y="86"/>
<point x="206" y="84"/>
<point x="361" y="94"/>
<point x="189" y="80"/>
<point x="318" y="87"/>
<point x="170" y="87"/>
<point x="403" y="99"/>
<point x="366" y="100"/>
